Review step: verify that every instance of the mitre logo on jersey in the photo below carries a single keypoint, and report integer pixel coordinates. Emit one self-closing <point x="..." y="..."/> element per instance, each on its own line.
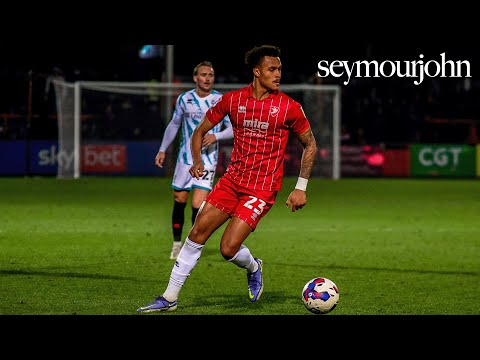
<point x="242" y="109"/>
<point x="274" y="110"/>
<point x="258" y="128"/>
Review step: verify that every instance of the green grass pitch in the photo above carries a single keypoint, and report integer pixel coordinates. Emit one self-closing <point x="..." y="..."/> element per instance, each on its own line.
<point x="100" y="246"/>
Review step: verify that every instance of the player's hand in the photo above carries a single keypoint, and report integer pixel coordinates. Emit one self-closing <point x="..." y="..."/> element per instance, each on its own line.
<point x="296" y="200"/>
<point x="209" y="139"/>
<point x="196" y="170"/>
<point x="159" y="159"/>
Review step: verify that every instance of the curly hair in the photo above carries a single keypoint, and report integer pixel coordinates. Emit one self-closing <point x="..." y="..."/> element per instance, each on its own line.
<point x="255" y="55"/>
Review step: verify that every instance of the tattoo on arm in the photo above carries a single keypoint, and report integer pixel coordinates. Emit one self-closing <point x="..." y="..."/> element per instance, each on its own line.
<point x="309" y="153"/>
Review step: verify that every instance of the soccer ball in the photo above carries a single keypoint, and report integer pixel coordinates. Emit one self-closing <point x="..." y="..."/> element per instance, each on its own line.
<point x="320" y="295"/>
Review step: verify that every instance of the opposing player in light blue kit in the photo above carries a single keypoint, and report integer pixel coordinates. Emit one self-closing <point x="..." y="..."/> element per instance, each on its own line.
<point x="190" y="108"/>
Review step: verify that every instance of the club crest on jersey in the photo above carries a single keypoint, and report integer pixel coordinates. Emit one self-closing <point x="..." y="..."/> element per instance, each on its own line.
<point x="274" y="110"/>
<point x="257" y="128"/>
<point x="242" y="109"/>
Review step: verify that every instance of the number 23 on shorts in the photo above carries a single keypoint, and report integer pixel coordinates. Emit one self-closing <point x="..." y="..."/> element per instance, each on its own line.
<point x="256" y="205"/>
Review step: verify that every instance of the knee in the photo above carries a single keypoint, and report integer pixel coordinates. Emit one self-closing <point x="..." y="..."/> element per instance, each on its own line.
<point x="196" y="233"/>
<point x="227" y="251"/>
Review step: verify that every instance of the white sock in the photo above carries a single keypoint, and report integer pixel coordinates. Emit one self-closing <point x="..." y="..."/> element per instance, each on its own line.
<point x="184" y="264"/>
<point x="244" y="259"/>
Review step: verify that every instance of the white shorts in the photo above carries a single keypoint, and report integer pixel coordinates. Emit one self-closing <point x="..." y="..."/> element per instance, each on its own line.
<point x="183" y="181"/>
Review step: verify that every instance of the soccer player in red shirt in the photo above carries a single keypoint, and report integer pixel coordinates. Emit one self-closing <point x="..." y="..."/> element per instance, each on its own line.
<point x="262" y="118"/>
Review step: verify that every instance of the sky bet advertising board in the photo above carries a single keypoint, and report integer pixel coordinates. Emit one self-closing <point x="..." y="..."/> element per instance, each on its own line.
<point x="125" y="158"/>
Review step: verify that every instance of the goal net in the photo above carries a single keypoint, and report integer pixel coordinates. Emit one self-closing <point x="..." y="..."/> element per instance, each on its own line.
<point x="99" y="113"/>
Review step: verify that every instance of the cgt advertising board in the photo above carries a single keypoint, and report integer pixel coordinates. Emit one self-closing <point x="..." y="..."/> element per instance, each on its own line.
<point x="442" y="160"/>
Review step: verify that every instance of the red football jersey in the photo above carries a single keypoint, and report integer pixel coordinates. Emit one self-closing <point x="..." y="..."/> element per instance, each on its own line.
<point x="261" y="129"/>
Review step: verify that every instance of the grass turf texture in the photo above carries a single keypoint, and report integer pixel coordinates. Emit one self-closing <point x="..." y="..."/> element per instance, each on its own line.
<point x="101" y="246"/>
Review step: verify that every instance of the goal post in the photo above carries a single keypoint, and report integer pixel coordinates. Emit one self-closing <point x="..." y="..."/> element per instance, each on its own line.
<point x="67" y="98"/>
<point x="102" y="112"/>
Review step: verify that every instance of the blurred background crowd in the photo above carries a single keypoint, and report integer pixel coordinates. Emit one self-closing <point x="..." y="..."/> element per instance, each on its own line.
<point x="388" y="111"/>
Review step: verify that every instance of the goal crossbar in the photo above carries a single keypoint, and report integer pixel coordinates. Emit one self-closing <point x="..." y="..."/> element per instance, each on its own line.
<point x="70" y="137"/>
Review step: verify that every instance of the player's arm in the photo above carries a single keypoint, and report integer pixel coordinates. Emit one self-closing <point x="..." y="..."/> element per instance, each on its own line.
<point x="169" y="134"/>
<point x="309" y="151"/>
<point x="196" y="146"/>
<point x="298" y="197"/>
<point x="226" y="133"/>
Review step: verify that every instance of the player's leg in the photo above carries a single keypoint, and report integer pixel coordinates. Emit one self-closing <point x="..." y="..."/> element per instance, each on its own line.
<point x="233" y="250"/>
<point x="210" y="217"/>
<point x="198" y="197"/>
<point x="180" y="199"/>
<point x="201" y="188"/>
<point x="249" y="211"/>
<point x="181" y="185"/>
<point x="208" y="220"/>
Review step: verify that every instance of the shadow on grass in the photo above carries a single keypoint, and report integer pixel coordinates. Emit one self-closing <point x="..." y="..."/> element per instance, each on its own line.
<point x="366" y="268"/>
<point x="66" y="274"/>
<point x="416" y="271"/>
<point x="237" y="303"/>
